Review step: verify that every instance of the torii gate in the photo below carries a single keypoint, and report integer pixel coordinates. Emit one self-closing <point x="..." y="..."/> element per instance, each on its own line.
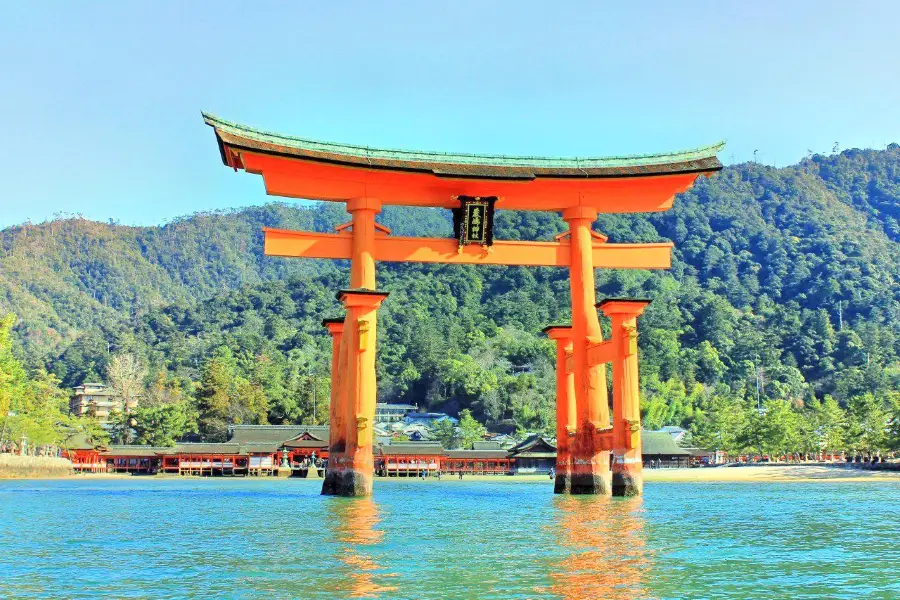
<point x="473" y="186"/>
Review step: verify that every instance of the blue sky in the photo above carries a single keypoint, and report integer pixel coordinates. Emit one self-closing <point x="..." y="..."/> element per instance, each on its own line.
<point x="100" y="102"/>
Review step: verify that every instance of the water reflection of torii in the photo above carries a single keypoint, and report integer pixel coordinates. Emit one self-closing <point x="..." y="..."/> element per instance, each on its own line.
<point x="355" y="527"/>
<point x="606" y="550"/>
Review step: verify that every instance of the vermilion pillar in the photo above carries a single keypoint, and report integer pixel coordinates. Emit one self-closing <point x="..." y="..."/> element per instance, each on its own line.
<point x="362" y="259"/>
<point x="565" y="406"/>
<point x="350" y="474"/>
<point x="590" y="463"/>
<point x="336" y="437"/>
<point x="627" y="478"/>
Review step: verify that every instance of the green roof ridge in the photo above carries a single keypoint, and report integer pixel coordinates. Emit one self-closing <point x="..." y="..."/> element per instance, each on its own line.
<point x="299" y="143"/>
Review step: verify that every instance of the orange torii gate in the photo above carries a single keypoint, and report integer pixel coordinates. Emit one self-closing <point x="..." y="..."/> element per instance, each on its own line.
<point x="473" y="186"/>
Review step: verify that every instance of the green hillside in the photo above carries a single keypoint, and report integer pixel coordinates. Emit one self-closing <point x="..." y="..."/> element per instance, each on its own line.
<point x="789" y="277"/>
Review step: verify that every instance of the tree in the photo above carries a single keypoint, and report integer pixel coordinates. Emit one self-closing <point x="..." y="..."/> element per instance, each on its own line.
<point x="869" y="423"/>
<point x="893" y="402"/>
<point x="41" y="411"/>
<point x="12" y="375"/>
<point x="225" y="397"/>
<point x="163" y="391"/>
<point x="248" y="403"/>
<point x="470" y="430"/>
<point x="710" y="368"/>
<point x="213" y="401"/>
<point x="125" y="375"/>
<point x="832" y="425"/>
<point x="162" y="424"/>
<point x="34" y="407"/>
<point x="776" y="430"/>
<point x="723" y="425"/>
<point x="444" y="431"/>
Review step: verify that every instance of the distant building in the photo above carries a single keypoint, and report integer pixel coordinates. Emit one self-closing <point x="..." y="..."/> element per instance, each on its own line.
<point x="427" y="418"/>
<point x="487" y="446"/>
<point x="505" y="441"/>
<point x="408" y="458"/>
<point x="534" y="454"/>
<point x="97" y="400"/>
<point x="260" y="449"/>
<point x="391" y="413"/>
<point x="658" y="449"/>
<point x="679" y="434"/>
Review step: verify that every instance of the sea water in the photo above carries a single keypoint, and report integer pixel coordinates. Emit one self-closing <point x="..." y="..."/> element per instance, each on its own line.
<point x="264" y="538"/>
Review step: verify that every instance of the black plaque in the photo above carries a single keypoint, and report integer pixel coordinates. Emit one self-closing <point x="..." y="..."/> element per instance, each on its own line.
<point x="473" y="221"/>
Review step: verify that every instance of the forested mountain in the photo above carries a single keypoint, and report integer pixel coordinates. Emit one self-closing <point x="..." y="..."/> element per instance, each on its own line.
<point x="786" y="280"/>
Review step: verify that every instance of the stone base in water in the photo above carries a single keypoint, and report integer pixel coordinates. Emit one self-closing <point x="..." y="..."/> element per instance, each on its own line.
<point x="349" y="482"/>
<point x="625" y="483"/>
<point x="598" y="484"/>
<point x="562" y="484"/>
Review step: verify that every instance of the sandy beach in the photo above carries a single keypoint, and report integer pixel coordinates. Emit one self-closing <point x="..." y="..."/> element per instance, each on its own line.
<point x="770" y="473"/>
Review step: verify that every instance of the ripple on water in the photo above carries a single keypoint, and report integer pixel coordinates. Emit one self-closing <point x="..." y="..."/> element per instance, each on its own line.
<point x="247" y="538"/>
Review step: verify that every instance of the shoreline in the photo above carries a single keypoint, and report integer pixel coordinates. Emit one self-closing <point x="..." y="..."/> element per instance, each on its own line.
<point x="722" y="474"/>
<point x="770" y="474"/>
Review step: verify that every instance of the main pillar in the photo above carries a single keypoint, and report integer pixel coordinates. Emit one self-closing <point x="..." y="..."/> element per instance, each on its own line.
<point x="351" y="470"/>
<point x="565" y="406"/>
<point x="362" y="247"/>
<point x="590" y="461"/>
<point x="627" y="477"/>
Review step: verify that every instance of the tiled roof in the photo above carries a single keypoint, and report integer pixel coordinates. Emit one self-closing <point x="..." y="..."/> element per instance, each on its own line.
<point x="242" y="137"/>
<point x="487" y="446"/>
<point x="80" y="441"/>
<point x="205" y="448"/>
<point x="426" y="448"/>
<point x="534" y="443"/>
<point x="277" y="434"/>
<point x="660" y="443"/>
<point x="134" y="450"/>
<point x="306" y="444"/>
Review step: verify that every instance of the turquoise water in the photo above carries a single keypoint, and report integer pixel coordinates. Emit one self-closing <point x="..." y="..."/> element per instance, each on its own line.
<point x="240" y="538"/>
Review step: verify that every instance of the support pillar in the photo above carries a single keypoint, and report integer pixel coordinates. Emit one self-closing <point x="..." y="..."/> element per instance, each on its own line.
<point x="336" y="438"/>
<point x="590" y="461"/>
<point x="350" y="473"/>
<point x="565" y="406"/>
<point x="627" y="477"/>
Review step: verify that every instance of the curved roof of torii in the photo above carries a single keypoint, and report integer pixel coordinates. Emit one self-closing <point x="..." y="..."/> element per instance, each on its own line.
<point x="238" y="138"/>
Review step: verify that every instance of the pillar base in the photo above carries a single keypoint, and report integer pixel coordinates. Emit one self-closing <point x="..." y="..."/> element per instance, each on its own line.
<point x="598" y="484"/>
<point x="348" y="483"/>
<point x="627" y="482"/>
<point x="562" y="484"/>
<point x="590" y="468"/>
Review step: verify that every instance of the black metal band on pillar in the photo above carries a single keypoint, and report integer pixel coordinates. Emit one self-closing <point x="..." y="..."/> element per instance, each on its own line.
<point x="473" y="221"/>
